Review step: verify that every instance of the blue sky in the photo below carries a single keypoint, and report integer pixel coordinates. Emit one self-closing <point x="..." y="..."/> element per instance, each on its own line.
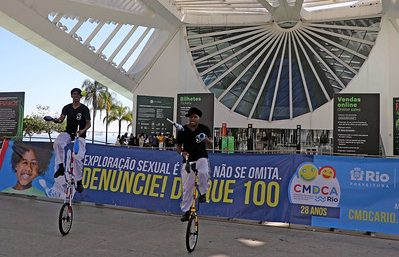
<point x="44" y="79"/>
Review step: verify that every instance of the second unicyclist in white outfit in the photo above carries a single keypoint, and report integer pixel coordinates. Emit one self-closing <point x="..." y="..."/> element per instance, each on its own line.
<point x="191" y="144"/>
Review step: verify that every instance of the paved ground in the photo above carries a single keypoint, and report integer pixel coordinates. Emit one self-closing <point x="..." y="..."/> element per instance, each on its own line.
<point x="28" y="227"/>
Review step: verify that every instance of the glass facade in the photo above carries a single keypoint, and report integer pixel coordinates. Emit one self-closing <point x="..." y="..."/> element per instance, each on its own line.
<point x="271" y="72"/>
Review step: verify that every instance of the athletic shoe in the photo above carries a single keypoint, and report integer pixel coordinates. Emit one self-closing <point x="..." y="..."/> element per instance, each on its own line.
<point x="60" y="171"/>
<point x="202" y="198"/>
<point x="79" y="186"/>
<point x="185" y="216"/>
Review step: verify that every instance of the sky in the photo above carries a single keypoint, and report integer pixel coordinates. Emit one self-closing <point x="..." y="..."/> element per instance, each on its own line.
<point x="45" y="80"/>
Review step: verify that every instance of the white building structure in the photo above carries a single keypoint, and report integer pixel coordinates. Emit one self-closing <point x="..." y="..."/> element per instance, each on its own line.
<point x="270" y="63"/>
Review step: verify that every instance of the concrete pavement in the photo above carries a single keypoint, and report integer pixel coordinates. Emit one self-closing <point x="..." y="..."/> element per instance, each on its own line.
<point x="28" y="227"/>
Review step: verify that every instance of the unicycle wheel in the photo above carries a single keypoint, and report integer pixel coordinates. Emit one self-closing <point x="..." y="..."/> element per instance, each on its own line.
<point x="192" y="233"/>
<point x="65" y="219"/>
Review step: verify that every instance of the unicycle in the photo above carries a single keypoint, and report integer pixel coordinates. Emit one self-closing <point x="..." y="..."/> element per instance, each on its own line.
<point x="192" y="225"/>
<point x="65" y="216"/>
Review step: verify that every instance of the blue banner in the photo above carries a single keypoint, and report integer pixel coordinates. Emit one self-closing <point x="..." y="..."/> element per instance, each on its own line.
<point x="251" y="186"/>
<point x="350" y="193"/>
<point x="369" y="194"/>
<point x="353" y="193"/>
<point x="241" y="186"/>
<point x="133" y="177"/>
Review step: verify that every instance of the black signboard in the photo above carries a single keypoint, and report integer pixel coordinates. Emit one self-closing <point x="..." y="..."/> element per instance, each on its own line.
<point x="152" y="112"/>
<point x="203" y="101"/>
<point x="11" y="114"/>
<point x="396" y="126"/>
<point x="356" y="123"/>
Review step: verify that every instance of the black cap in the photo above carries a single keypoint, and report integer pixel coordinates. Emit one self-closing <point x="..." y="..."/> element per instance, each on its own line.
<point x="76" y="90"/>
<point x="194" y="110"/>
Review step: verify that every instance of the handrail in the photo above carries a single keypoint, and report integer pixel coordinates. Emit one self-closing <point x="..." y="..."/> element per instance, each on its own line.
<point x="286" y="150"/>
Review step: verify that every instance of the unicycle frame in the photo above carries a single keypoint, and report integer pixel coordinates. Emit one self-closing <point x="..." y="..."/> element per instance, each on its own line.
<point x="70" y="182"/>
<point x="195" y="204"/>
<point x="69" y="192"/>
<point x="192" y="232"/>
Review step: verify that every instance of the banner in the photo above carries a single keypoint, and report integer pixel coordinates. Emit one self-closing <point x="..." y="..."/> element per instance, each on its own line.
<point x="139" y="178"/>
<point x="353" y="193"/>
<point x="11" y="114"/>
<point x="396" y="126"/>
<point x="357" y="124"/>
<point x="251" y="186"/>
<point x="241" y="186"/>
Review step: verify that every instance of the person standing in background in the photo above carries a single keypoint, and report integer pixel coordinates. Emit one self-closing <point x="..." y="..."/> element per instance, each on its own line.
<point x="161" y="141"/>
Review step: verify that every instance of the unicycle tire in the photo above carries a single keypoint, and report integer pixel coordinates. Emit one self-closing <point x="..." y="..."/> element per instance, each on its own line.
<point x="191" y="233"/>
<point x="65" y="219"/>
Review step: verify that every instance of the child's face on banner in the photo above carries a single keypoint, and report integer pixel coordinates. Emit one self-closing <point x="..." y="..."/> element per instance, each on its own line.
<point x="27" y="169"/>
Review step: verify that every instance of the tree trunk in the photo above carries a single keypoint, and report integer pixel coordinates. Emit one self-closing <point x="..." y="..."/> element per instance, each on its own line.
<point x="94" y="118"/>
<point x="106" y="132"/>
<point x="106" y="127"/>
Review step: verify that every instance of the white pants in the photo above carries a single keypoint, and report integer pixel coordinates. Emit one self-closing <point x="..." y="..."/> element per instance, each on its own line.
<point x="59" y="149"/>
<point x="188" y="180"/>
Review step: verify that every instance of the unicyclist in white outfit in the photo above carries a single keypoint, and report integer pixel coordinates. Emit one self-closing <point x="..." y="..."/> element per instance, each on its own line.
<point x="191" y="144"/>
<point x="78" y="122"/>
<point x="60" y="143"/>
<point x="188" y="180"/>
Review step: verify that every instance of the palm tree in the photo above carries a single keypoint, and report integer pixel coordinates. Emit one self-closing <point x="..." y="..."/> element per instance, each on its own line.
<point x="119" y="113"/>
<point x="94" y="90"/>
<point x="105" y="103"/>
<point x="129" y="120"/>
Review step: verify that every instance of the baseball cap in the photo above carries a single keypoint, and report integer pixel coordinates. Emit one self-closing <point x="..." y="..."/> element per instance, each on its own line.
<point x="193" y="110"/>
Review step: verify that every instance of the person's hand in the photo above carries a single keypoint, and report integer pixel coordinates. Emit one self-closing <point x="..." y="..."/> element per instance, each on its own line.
<point x="187" y="164"/>
<point x="48" y="118"/>
<point x="179" y="127"/>
<point x="200" y="137"/>
<point x="185" y="155"/>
